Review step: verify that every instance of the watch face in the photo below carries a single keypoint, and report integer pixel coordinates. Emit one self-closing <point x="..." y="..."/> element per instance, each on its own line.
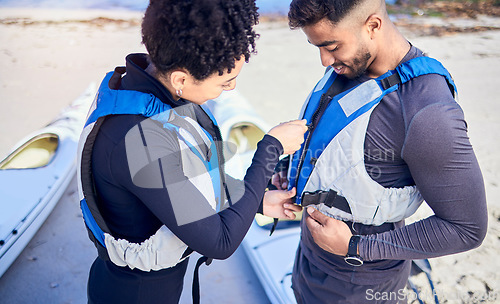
<point x="353" y="260"/>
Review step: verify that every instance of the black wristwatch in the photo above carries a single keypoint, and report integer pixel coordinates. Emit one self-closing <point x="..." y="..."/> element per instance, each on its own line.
<point x="352" y="258"/>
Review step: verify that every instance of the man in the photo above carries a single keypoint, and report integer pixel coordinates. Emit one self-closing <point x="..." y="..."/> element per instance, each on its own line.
<point x="386" y="135"/>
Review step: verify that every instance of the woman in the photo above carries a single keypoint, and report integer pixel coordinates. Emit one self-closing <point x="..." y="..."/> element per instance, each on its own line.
<point x="152" y="176"/>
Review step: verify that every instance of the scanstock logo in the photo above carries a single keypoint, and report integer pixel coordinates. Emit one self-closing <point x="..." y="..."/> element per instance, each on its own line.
<point x="171" y="152"/>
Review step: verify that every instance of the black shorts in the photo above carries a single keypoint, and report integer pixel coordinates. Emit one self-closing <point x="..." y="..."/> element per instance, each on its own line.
<point x="311" y="285"/>
<point x="109" y="283"/>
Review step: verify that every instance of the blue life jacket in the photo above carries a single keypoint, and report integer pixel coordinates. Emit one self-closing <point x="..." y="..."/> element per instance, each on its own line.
<point x="163" y="249"/>
<point x="329" y="169"/>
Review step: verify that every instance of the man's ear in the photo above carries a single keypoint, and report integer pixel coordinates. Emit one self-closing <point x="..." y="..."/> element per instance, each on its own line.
<point x="373" y="25"/>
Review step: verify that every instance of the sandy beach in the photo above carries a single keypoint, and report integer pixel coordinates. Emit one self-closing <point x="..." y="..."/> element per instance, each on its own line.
<point x="48" y="57"/>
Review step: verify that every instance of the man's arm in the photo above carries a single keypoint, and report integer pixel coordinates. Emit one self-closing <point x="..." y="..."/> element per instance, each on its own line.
<point x="446" y="172"/>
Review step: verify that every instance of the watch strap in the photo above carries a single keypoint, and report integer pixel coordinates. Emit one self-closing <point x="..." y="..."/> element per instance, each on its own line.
<point x="352" y="258"/>
<point x="352" y="250"/>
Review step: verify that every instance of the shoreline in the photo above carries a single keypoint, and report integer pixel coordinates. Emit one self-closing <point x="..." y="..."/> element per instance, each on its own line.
<point x="417" y="25"/>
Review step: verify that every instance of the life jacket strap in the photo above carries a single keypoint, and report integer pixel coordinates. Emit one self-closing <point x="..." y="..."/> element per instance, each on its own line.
<point x="390" y="81"/>
<point x="102" y="252"/>
<point x="196" y="278"/>
<point x="329" y="198"/>
<point x="273" y="228"/>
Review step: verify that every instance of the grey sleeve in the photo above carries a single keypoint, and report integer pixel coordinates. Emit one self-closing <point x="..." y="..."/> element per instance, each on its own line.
<point x="445" y="170"/>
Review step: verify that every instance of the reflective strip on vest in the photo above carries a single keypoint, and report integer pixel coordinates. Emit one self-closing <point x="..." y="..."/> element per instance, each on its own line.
<point x="334" y="158"/>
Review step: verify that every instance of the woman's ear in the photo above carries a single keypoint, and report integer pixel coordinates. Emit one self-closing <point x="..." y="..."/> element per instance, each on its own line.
<point x="178" y="79"/>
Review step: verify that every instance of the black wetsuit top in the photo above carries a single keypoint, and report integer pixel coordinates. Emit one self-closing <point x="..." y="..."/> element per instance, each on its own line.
<point x="417" y="135"/>
<point x="136" y="213"/>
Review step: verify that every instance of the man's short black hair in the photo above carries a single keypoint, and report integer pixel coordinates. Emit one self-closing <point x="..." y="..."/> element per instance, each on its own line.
<point x="308" y="12"/>
<point x="201" y="36"/>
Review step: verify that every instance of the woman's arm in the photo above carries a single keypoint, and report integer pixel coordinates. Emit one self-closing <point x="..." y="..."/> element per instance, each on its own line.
<point x="177" y="201"/>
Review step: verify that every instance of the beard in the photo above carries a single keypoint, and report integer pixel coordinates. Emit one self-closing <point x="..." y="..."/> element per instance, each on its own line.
<point x="359" y="64"/>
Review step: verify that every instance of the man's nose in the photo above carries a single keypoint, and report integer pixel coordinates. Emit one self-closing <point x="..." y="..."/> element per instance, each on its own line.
<point x="327" y="58"/>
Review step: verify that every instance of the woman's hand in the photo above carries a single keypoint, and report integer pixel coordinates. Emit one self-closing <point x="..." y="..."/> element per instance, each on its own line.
<point x="290" y="134"/>
<point x="278" y="204"/>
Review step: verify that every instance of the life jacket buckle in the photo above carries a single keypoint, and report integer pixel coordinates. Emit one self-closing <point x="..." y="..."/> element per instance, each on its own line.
<point x="330" y="198"/>
<point x="317" y="197"/>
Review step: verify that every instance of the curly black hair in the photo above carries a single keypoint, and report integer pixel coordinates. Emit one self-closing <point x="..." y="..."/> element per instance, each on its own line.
<point x="307" y="12"/>
<point x="201" y="36"/>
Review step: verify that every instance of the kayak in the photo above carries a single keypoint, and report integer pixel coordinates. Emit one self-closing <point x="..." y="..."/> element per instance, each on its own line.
<point x="34" y="176"/>
<point x="272" y="256"/>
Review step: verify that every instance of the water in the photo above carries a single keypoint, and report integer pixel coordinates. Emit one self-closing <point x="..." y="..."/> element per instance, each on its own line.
<point x="265" y="6"/>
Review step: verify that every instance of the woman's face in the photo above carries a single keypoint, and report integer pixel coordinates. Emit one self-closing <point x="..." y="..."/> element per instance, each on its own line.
<point x="199" y="92"/>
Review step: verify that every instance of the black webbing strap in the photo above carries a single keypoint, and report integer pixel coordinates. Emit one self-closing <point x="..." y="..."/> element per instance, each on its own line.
<point x="87" y="180"/>
<point x="275" y="223"/>
<point x="196" y="278"/>
<point x="282" y="165"/>
<point x="390" y="81"/>
<point x="329" y="198"/>
<point x="102" y="252"/>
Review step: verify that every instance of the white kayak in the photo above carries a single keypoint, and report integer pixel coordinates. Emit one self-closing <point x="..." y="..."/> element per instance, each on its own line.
<point x="271" y="257"/>
<point x="34" y="176"/>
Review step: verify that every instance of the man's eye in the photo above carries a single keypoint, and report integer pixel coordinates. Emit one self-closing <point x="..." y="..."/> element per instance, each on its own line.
<point x="331" y="51"/>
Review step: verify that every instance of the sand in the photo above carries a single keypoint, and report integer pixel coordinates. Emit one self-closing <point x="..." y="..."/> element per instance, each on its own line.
<point x="48" y="57"/>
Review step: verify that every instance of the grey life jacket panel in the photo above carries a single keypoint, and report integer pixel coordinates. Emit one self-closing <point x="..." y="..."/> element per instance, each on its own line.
<point x="329" y="170"/>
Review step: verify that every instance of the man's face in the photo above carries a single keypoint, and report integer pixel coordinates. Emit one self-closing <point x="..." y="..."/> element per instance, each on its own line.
<point x="341" y="46"/>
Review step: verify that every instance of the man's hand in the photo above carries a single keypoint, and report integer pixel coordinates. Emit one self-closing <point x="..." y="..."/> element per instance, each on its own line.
<point x="278" y="204"/>
<point x="330" y="234"/>
<point x="279" y="180"/>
